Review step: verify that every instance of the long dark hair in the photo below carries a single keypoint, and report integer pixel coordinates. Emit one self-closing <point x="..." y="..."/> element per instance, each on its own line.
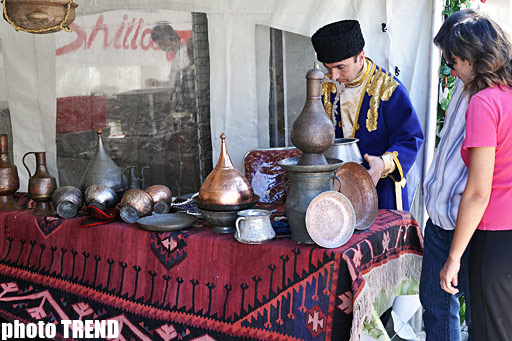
<point x="473" y="36"/>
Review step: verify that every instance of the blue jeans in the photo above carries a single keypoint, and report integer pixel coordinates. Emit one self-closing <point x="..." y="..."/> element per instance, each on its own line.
<point x="441" y="310"/>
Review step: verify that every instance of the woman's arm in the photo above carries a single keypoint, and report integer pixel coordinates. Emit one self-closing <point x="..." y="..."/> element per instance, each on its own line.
<point x="472" y="206"/>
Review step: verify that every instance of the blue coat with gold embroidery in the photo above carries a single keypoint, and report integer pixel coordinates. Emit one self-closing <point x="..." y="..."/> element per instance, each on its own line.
<point x="386" y="122"/>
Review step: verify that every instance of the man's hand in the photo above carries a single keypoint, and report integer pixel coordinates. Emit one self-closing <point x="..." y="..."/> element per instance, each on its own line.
<point x="376" y="167"/>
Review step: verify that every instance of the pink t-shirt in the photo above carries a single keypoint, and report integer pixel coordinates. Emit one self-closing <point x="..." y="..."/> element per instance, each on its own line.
<point x="489" y="124"/>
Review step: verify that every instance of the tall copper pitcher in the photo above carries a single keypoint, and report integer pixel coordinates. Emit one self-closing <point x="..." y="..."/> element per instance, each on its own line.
<point x="9" y="181"/>
<point x="41" y="185"/>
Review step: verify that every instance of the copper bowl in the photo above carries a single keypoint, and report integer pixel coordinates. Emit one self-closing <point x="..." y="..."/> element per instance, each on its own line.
<point x="221" y="221"/>
<point x="40" y="14"/>
<point x="135" y="204"/>
<point x="162" y="197"/>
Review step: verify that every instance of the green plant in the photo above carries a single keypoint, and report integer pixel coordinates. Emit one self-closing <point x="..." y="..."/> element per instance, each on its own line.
<point x="462" y="310"/>
<point x="446" y="80"/>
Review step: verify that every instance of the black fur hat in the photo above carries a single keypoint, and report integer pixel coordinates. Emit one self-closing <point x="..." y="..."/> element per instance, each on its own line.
<point x="338" y="41"/>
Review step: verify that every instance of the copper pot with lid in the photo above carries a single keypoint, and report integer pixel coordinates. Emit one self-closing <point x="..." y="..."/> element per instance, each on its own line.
<point x="225" y="185"/>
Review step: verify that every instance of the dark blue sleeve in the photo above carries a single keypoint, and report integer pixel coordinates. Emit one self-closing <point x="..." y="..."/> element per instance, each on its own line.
<point x="405" y="134"/>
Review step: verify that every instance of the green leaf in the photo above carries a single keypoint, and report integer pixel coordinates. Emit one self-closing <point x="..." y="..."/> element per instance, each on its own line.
<point x="444" y="103"/>
<point x="445" y="70"/>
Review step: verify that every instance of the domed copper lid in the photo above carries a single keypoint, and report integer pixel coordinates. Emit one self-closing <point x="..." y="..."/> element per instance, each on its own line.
<point x="225" y="185"/>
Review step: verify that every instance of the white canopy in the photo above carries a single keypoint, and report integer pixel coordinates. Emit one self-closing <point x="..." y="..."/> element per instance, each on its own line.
<point x="239" y="92"/>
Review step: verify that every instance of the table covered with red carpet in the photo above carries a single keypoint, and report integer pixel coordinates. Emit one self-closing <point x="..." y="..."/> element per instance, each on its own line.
<point x="195" y="284"/>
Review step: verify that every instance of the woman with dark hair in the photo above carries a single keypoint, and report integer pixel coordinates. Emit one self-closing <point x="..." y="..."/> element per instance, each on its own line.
<point x="480" y="53"/>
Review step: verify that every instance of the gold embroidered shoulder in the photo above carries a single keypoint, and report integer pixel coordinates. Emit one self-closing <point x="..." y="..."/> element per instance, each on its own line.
<point x="380" y="88"/>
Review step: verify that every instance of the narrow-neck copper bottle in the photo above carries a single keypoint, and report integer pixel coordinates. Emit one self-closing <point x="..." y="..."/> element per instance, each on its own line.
<point x="102" y="170"/>
<point x="9" y="181"/>
<point x="313" y="131"/>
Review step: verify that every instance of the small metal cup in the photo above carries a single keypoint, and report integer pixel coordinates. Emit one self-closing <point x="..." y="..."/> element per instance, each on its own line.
<point x="253" y="226"/>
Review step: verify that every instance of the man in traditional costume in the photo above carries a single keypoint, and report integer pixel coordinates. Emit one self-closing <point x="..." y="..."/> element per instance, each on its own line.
<point x="366" y="102"/>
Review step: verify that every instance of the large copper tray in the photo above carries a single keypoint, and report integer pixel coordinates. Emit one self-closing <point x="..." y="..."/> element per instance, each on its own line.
<point x="330" y="219"/>
<point x="224" y="208"/>
<point x="358" y="187"/>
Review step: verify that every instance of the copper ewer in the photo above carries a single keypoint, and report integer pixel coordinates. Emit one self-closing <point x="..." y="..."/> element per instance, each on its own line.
<point x="9" y="181"/>
<point x="225" y="185"/>
<point x="41" y="186"/>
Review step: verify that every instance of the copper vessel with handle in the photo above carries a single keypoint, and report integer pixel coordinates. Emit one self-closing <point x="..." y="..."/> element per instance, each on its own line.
<point x="9" y="181"/>
<point x="41" y="185"/>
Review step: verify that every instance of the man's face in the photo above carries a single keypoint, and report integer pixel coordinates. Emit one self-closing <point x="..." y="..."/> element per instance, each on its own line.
<point x="167" y="44"/>
<point x="346" y="70"/>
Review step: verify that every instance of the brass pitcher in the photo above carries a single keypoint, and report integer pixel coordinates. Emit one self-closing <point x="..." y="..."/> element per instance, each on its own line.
<point x="9" y="181"/>
<point x="41" y="186"/>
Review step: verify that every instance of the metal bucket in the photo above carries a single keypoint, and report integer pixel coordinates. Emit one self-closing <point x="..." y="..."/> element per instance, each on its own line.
<point x="344" y="149"/>
<point x="304" y="187"/>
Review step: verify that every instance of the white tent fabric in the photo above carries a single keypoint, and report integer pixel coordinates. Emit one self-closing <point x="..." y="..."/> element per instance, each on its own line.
<point x="233" y="53"/>
<point x="239" y="89"/>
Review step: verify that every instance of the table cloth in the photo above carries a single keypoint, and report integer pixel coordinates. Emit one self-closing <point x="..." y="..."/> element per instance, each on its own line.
<point x="197" y="285"/>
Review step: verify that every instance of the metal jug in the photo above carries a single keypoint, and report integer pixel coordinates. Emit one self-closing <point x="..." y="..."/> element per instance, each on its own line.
<point x="41" y="185"/>
<point x="133" y="181"/>
<point x="9" y="181"/>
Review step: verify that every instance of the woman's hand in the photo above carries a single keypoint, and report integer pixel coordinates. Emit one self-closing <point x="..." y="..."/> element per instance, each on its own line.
<point x="449" y="272"/>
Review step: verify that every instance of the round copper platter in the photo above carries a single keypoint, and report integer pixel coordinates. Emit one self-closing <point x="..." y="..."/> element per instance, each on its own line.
<point x="358" y="187"/>
<point x="330" y="219"/>
<point x="166" y="222"/>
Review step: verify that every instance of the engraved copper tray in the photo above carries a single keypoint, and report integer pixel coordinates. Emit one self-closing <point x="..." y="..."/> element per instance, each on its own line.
<point x="358" y="187"/>
<point x="330" y="219"/>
